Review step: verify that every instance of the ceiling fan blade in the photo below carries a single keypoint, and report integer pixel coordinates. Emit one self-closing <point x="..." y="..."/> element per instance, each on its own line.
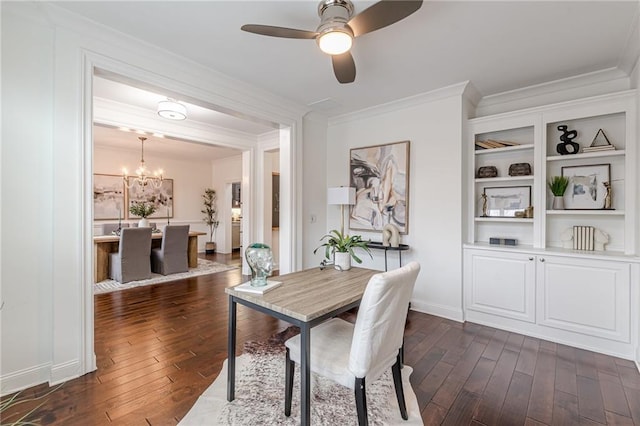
<point x="269" y="30"/>
<point x="344" y="67"/>
<point x="382" y="14"/>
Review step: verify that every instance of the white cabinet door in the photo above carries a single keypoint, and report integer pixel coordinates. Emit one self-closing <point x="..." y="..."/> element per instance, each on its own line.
<point x="500" y="283"/>
<point x="585" y="296"/>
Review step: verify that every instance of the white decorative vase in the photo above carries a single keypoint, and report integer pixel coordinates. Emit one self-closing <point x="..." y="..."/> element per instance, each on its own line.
<point x="143" y="223"/>
<point x="558" y="202"/>
<point x="342" y="261"/>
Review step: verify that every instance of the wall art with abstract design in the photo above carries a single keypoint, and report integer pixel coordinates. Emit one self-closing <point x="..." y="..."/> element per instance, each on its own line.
<point x="380" y="175"/>
<point x="108" y="197"/>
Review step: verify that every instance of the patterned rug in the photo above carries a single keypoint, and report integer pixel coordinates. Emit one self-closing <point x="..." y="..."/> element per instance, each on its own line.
<point x="260" y="395"/>
<point x="204" y="267"/>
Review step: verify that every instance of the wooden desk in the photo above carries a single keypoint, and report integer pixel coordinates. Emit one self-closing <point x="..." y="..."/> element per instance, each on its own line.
<point x="105" y="244"/>
<point x="304" y="299"/>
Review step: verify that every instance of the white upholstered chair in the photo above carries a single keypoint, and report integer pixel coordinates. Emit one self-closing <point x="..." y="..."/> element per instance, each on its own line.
<point x="172" y="257"/>
<point x="348" y="354"/>
<point x="131" y="262"/>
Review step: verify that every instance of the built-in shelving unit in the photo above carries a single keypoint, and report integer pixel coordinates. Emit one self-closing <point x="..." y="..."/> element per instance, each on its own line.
<point x="535" y="131"/>
<point x="543" y="286"/>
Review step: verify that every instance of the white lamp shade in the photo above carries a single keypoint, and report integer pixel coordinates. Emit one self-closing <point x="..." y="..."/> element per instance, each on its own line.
<point x="172" y="110"/>
<point x="341" y="196"/>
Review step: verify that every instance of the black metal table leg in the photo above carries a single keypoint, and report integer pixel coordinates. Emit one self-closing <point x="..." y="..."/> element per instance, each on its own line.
<point x="305" y="375"/>
<point x="231" y="351"/>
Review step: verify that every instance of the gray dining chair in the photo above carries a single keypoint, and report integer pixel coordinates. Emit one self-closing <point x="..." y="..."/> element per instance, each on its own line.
<point x="131" y="262"/>
<point x="352" y="354"/>
<point x="109" y="228"/>
<point x="171" y="256"/>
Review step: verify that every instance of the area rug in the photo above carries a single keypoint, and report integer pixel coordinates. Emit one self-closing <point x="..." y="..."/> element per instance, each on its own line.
<point x="260" y="396"/>
<point x="204" y="267"/>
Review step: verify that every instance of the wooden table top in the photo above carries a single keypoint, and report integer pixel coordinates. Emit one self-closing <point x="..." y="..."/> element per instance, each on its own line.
<point x="309" y="294"/>
<point x="154" y="236"/>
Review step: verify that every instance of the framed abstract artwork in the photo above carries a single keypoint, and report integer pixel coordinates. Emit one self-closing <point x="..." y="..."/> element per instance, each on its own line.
<point x="505" y="201"/>
<point x="586" y="190"/>
<point x="161" y="197"/>
<point x="380" y="175"/>
<point x="108" y="197"/>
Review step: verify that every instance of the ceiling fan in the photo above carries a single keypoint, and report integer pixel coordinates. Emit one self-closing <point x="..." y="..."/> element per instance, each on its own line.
<point x="338" y="28"/>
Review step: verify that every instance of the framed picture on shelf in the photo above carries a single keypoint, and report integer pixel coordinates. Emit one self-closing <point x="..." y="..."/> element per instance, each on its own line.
<point x="586" y="190"/>
<point x="505" y="201"/>
<point x="108" y="197"/>
<point x="161" y="197"/>
<point x="380" y="175"/>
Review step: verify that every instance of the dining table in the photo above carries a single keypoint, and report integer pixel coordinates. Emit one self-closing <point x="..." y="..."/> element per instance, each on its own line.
<point x="103" y="245"/>
<point x="305" y="299"/>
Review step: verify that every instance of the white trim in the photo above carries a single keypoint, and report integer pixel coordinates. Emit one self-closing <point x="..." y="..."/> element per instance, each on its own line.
<point x="448" y="312"/>
<point x="24" y="379"/>
<point x="408" y="102"/>
<point x="65" y="371"/>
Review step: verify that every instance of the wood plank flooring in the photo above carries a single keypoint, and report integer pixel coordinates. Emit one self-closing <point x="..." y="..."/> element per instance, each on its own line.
<point x="159" y="347"/>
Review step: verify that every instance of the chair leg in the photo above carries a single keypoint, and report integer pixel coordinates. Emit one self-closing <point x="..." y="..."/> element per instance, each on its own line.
<point x="397" y="382"/>
<point x="288" y="385"/>
<point x="361" y="402"/>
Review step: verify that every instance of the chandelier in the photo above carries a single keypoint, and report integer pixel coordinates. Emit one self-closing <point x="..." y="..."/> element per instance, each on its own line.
<point x="143" y="176"/>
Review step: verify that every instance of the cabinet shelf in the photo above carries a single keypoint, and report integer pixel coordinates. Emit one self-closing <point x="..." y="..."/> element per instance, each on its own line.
<point x="586" y="212"/>
<point x="505" y="179"/>
<point x="505" y="149"/>
<point x="587" y="155"/>
<point x="504" y="219"/>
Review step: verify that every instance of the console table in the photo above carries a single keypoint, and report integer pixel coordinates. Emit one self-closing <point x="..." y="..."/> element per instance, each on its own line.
<point x="378" y="246"/>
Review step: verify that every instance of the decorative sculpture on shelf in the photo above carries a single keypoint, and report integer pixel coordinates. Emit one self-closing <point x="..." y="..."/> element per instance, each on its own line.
<point x="390" y="236"/>
<point x="484" y="199"/>
<point x="567" y="146"/>
<point x="607" y="195"/>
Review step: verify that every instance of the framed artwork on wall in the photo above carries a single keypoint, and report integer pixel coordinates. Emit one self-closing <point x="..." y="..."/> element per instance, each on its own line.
<point x="161" y="197"/>
<point x="108" y="197"/>
<point x="380" y="175"/>
<point x="505" y="201"/>
<point x="586" y="189"/>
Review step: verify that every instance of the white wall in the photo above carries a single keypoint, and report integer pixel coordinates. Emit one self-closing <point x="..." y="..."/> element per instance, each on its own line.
<point x="433" y="124"/>
<point x="224" y="172"/>
<point x="190" y="179"/>
<point x="48" y="56"/>
<point x="314" y="212"/>
<point x="27" y="211"/>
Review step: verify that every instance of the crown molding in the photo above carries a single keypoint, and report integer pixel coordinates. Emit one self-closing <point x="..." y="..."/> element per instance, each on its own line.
<point x="408" y="102"/>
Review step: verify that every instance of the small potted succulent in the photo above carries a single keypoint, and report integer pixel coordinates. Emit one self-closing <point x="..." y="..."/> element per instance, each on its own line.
<point x="143" y="210"/>
<point x="558" y="185"/>
<point x="341" y="247"/>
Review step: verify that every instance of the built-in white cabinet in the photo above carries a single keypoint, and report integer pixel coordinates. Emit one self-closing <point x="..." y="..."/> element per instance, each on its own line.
<point x="542" y="286"/>
<point x="589" y="303"/>
<point x="502" y="285"/>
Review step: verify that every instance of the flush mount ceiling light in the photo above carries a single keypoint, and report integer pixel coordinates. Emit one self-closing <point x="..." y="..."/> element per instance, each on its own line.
<point x="172" y="110"/>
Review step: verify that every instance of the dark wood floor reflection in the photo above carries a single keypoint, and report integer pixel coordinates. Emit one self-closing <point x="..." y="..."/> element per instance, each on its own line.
<point x="159" y="347"/>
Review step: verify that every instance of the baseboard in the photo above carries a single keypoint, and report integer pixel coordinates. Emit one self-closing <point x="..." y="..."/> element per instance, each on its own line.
<point x="65" y="371"/>
<point x="23" y="379"/>
<point x="443" y="311"/>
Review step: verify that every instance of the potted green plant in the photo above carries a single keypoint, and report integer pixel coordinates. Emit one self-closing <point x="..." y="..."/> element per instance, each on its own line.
<point x="210" y="214"/>
<point x="342" y="246"/>
<point x="558" y="185"/>
<point x="142" y="209"/>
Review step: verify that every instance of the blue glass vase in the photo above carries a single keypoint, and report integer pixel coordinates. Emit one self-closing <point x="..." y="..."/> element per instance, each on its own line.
<point x="260" y="261"/>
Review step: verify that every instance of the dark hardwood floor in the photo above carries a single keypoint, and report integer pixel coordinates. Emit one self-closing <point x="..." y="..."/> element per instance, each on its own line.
<point x="159" y="347"/>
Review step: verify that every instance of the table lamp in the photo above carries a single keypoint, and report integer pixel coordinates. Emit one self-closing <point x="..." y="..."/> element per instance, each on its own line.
<point x="342" y="196"/>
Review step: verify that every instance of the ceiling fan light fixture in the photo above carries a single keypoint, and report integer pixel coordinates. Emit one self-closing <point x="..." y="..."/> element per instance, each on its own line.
<point x="172" y="110"/>
<point x="335" y="41"/>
